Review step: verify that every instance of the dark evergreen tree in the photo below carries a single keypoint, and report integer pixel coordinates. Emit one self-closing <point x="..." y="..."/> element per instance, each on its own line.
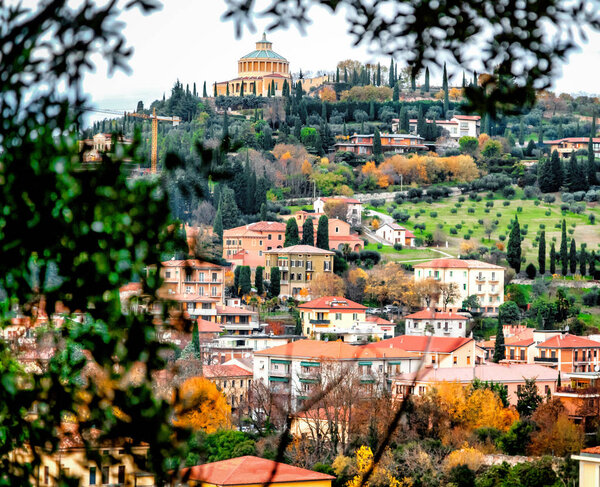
<point x="391" y="81"/>
<point x="396" y="93"/>
<point x="258" y="280"/>
<point x="215" y="90"/>
<point x="297" y="129"/>
<point x="557" y="171"/>
<point x="195" y="332"/>
<point x="227" y="90"/>
<point x="464" y="80"/>
<point x="378" y="78"/>
<point x="445" y="88"/>
<point x="140" y="107"/>
<point x="475" y="83"/>
<point x="541" y="134"/>
<point x="592" y="263"/>
<point x="421" y="123"/>
<point x="324" y="111"/>
<point x="545" y="176"/>
<point x="528" y="398"/>
<point x="413" y="82"/>
<point x="254" y="87"/>
<point x="499" y="347"/>
<point x="513" y="250"/>
<point x="236" y="280"/>
<point x="337" y="74"/>
<point x="345" y="75"/>
<point x="583" y="258"/>
<point x="308" y="232"/>
<point x="573" y="257"/>
<point x="229" y="209"/>
<point x="521" y="132"/>
<point x="204" y="92"/>
<point x="291" y="233"/>
<point x="286" y="89"/>
<point x="542" y="253"/>
<point x="263" y="212"/>
<point x="591" y="157"/>
<point x="564" y="255"/>
<point x="404" y="121"/>
<point x="426" y="80"/>
<point x="572" y="174"/>
<point x="371" y="110"/>
<point x="245" y="280"/>
<point x="275" y="282"/>
<point x="218" y="223"/>
<point x="298" y="94"/>
<point x="323" y="233"/>
<point x="552" y="259"/>
<point x="377" y="151"/>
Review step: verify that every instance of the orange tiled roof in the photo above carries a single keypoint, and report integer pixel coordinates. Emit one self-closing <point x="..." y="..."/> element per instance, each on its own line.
<point x="232" y="310"/>
<point x="593" y="450"/>
<point x="569" y="341"/>
<point x="195" y="263"/>
<point x="250" y="470"/>
<point x="255" y="229"/>
<point x="222" y="370"/>
<point x="205" y="326"/>
<point x="300" y="249"/>
<point x="425" y="314"/>
<point x="337" y="303"/>
<point x="421" y="343"/>
<point x="458" y="263"/>
<point x="378" y="320"/>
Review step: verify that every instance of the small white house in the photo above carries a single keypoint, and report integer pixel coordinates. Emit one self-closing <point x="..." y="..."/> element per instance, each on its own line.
<point x="432" y="323"/>
<point x="395" y="234"/>
<point x="355" y="207"/>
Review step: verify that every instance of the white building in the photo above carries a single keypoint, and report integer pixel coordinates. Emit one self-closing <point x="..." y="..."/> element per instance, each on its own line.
<point x="457" y="127"/>
<point x="396" y="234"/>
<point x="355" y="207"/>
<point x="433" y="323"/>
<point x="473" y="277"/>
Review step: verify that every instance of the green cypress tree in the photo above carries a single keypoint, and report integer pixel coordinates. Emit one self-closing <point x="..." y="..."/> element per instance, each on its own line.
<point x="215" y="90"/>
<point x="556" y="169"/>
<point x="245" y="280"/>
<point x="499" y="347"/>
<point x="218" y="223"/>
<point x="404" y="124"/>
<point x="541" y="134"/>
<point x="196" y="340"/>
<point x="445" y="88"/>
<point x="513" y="251"/>
<point x="337" y="74"/>
<point x="254" y="87"/>
<point x="378" y="78"/>
<point x="391" y="80"/>
<point x="542" y="253"/>
<point x="521" y="132"/>
<point x="583" y="258"/>
<point x="236" y="280"/>
<point x="475" y="83"/>
<point x="564" y="255"/>
<point x="345" y="75"/>
<point x="421" y="123"/>
<point x="377" y="151"/>
<point x="229" y="209"/>
<point x="371" y="110"/>
<point x="545" y="176"/>
<point x="263" y="212"/>
<point x="308" y="232"/>
<point x="552" y="259"/>
<point x="227" y="91"/>
<point x="396" y="93"/>
<point x="323" y="233"/>
<point x="571" y="174"/>
<point x="258" y="280"/>
<point x="291" y="233"/>
<point x="464" y="80"/>
<point x="324" y="111"/>
<point x="344" y="129"/>
<point x="592" y="264"/>
<point x="275" y="282"/>
<point x="204" y="92"/>
<point x="573" y="257"/>
<point x="426" y="80"/>
<point x="413" y="82"/>
<point x="591" y="158"/>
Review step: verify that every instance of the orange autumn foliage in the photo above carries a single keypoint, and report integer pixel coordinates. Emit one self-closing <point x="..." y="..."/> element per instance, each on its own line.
<point x="425" y="169"/>
<point x="201" y="406"/>
<point x="327" y="94"/>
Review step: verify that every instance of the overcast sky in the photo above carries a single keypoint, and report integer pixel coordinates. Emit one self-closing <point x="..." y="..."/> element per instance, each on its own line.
<point x="188" y="40"/>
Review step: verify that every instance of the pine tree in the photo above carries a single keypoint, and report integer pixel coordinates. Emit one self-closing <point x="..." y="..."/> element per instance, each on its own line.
<point x="475" y="83"/>
<point x="391" y="81"/>
<point x="204" y="93"/>
<point x="542" y="253"/>
<point x="324" y="111"/>
<point x="521" y="132"/>
<point x="227" y="92"/>
<point x="298" y="94"/>
<point x="572" y="174"/>
<point x="545" y="176"/>
<point x="499" y="348"/>
<point x="377" y="151"/>
<point x="275" y="282"/>
<point x="421" y="123"/>
<point x="218" y="223"/>
<point x="254" y="87"/>
<point x="564" y="255"/>
<point x="583" y="258"/>
<point x="263" y="212"/>
<point x="413" y="82"/>
<point x="404" y="124"/>
<point x="308" y="232"/>
<point x="378" y="78"/>
<point x="426" y="80"/>
<point x="541" y="134"/>
<point x="229" y="209"/>
<point x="552" y="259"/>
<point x="445" y="88"/>
<point x="245" y="280"/>
<point x="513" y="250"/>
<point x="556" y="170"/>
<point x="464" y="80"/>
<point x="215" y="90"/>
<point x="345" y="75"/>
<point x="323" y="233"/>
<point x="396" y="93"/>
<point x="258" y="280"/>
<point x="573" y="257"/>
<point x="337" y="74"/>
<point x="286" y="89"/>
<point x="196" y="340"/>
<point x="371" y="110"/>
<point x="344" y="129"/>
<point x="591" y="158"/>
<point x="291" y="233"/>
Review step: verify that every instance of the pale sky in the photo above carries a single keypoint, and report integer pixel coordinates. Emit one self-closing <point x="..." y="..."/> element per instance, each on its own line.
<point x="188" y="40"/>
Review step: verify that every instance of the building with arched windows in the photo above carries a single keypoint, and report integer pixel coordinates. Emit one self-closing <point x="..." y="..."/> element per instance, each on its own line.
<point x="258" y="70"/>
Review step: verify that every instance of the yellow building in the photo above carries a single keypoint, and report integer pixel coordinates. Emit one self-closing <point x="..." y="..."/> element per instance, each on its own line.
<point x="258" y="70"/>
<point x="589" y="467"/>
<point x="298" y="265"/>
<point x="249" y="471"/>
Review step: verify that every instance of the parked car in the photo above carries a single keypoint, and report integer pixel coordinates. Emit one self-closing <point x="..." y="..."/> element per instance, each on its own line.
<point x="390" y="308"/>
<point x="373" y="311"/>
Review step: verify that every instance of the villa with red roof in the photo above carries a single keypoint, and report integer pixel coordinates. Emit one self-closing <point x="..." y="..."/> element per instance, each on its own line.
<point x="566" y="146"/>
<point x="253" y="239"/>
<point x="299" y="368"/>
<point x="473" y="277"/>
<point x="458" y="126"/>
<point x="436" y="323"/>
<point x="253" y="471"/>
<point x="335" y="315"/>
<point x="355" y="207"/>
<point x="394" y="234"/>
<point x="569" y="353"/>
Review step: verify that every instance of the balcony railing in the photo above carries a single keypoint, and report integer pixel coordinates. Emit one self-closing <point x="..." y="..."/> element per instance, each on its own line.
<point x="546" y="359"/>
<point x="583" y="391"/>
<point x="320" y="322"/>
<point x="480" y="278"/>
<point x="279" y="372"/>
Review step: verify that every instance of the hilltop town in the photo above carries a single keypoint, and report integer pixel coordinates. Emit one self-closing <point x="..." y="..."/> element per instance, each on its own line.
<point x="343" y="275"/>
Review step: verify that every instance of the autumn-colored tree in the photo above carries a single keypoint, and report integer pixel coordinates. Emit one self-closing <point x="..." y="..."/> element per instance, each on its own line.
<point x="375" y="224"/>
<point x="388" y="283"/>
<point x="439" y="95"/>
<point x="428" y="291"/>
<point x="327" y="284"/>
<point x="469" y="456"/>
<point x="201" y="406"/>
<point x="367" y="93"/>
<point x="356" y="281"/>
<point x="449" y="292"/>
<point x="327" y="94"/>
<point x="382" y="474"/>
<point x="424" y="169"/>
<point x="336" y="208"/>
<point x="556" y="434"/>
<point x="455" y="94"/>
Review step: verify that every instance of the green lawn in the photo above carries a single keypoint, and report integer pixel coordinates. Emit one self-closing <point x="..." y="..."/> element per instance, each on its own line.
<point x="530" y="218"/>
<point x="406" y="254"/>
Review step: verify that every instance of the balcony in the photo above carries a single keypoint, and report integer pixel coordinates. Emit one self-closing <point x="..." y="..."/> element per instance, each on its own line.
<point x="568" y="391"/>
<point x="553" y="360"/>
<point x="480" y="278"/>
<point x="279" y="372"/>
<point x="320" y="322"/>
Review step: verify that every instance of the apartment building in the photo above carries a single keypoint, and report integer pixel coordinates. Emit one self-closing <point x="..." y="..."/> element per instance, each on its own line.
<point x="473" y="277"/>
<point x="354" y="208"/>
<point x="299" y="264"/>
<point x="340" y="233"/>
<point x="298" y="369"/>
<point x="196" y="287"/>
<point x="566" y="146"/>
<point x="436" y="323"/>
<point x="363" y="143"/>
<point x="394" y="234"/>
<point x="232" y="380"/>
<point x="569" y="353"/>
<point x="457" y="127"/>
<point x="347" y="320"/>
<point x="254" y="239"/>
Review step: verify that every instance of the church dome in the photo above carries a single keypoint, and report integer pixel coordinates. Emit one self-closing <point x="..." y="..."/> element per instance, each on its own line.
<point x="264" y="51"/>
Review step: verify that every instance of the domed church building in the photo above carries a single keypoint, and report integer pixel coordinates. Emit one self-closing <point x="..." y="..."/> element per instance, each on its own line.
<point x="257" y="71"/>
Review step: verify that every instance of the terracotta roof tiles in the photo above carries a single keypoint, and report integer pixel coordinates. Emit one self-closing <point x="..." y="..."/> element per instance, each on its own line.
<point x="337" y="303"/>
<point x="458" y="264"/>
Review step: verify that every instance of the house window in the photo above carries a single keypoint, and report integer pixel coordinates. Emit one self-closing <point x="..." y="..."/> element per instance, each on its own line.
<point x="299" y="277"/>
<point x="355" y="316"/>
<point x="338" y="316"/>
<point x="455" y="360"/>
<point x="468" y="360"/>
<point x="188" y="289"/>
<point x="479" y="287"/>
<point x="92" y="476"/>
<point x="200" y="291"/>
<point x="105" y="475"/>
<point x="214" y="290"/>
<point x="269" y="237"/>
<point x="292" y="276"/>
<point x="260" y="243"/>
<point x="293" y="263"/>
<point x="167" y="274"/>
<point x="279" y="237"/>
<point x="121" y="474"/>
<point x="450" y="273"/>
<point x="326" y="265"/>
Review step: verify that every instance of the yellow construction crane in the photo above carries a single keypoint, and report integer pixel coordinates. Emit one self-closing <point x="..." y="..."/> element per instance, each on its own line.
<point x="155" y="119"/>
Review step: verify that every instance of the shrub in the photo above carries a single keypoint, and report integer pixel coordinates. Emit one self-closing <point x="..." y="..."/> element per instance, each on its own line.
<point x="379" y="246"/>
<point x="502" y="237"/>
<point x="428" y="199"/>
<point x="565" y="207"/>
<point x="285" y="211"/>
<point x="490" y="195"/>
<point x="549" y="198"/>
<point x="499" y="215"/>
<point x="414" y="193"/>
<point x="454" y="211"/>
<point x="519" y="209"/>
<point x="461" y="199"/>
<point x="422" y="211"/>
<point x="398" y="247"/>
<point x="489" y="204"/>
<point x="591" y="195"/>
<point x="480" y="221"/>
<point x="433" y="214"/>
<point x="486" y="210"/>
<point x="531" y="271"/>
<point x="548" y="213"/>
<point x="508" y="192"/>
<point x="471" y="210"/>
<point x="577" y="208"/>
<point x="530" y="191"/>
<point x="536" y="202"/>
<point x="542" y="226"/>
<point x="377" y="202"/>
<point x="579" y="195"/>
<point x="453" y="231"/>
<point x="592" y="298"/>
<point x="592" y="218"/>
<point x="401" y="216"/>
<point x="467" y="236"/>
<point x="506" y="203"/>
<point x="458" y="225"/>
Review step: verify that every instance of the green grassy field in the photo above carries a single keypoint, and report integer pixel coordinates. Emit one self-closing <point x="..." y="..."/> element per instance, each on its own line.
<point x="405" y="255"/>
<point x="440" y="215"/>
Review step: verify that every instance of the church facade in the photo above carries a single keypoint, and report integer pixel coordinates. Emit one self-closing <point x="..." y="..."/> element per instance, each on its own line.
<point x="257" y="71"/>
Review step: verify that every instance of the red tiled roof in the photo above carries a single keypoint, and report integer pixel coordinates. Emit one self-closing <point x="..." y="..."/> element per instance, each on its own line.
<point x="131" y="287"/>
<point x="569" y="341"/>
<point x="378" y="320"/>
<point x="421" y="343"/>
<point x="425" y="314"/>
<point x="232" y="310"/>
<point x="467" y="117"/>
<point x="593" y="450"/>
<point x="409" y="234"/>
<point x="205" y="326"/>
<point x="262" y="226"/>
<point x="300" y="249"/>
<point x="222" y="370"/>
<point x="250" y="470"/>
<point x="339" y="304"/>
<point x="190" y="263"/>
<point x="572" y="140"/>
<point x="351" y="201"/>
<point x="458" y="263"/>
